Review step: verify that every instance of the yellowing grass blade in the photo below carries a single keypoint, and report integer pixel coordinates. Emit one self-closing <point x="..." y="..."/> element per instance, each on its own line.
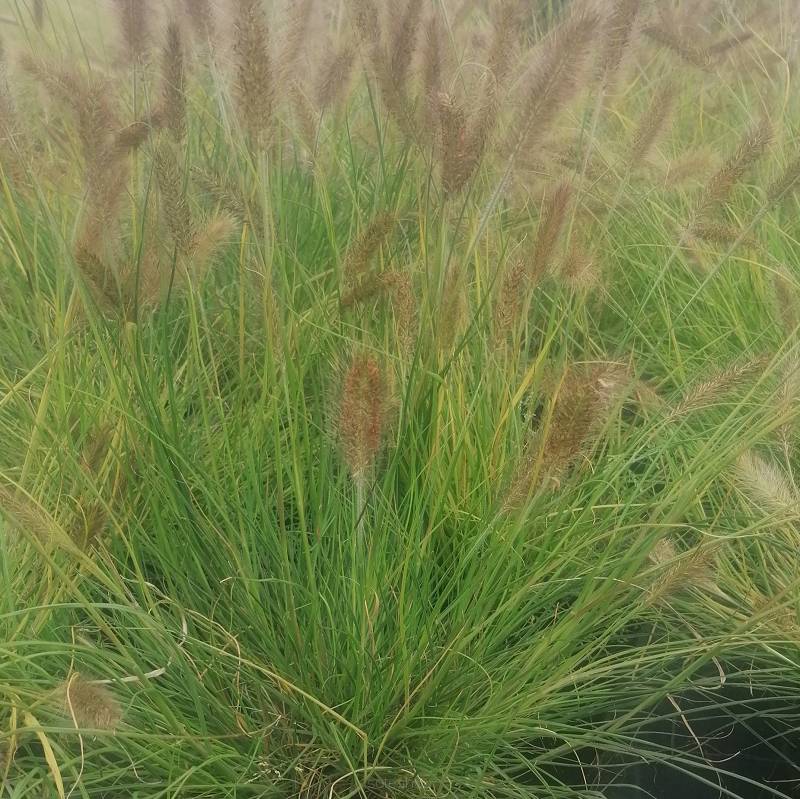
<point x="32" y="723"/>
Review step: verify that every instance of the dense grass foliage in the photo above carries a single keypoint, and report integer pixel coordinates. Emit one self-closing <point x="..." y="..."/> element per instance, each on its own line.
<point x="398" y="400"/>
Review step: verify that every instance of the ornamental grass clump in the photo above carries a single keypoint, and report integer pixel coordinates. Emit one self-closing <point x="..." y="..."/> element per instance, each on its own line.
<point x="399" y="399"/>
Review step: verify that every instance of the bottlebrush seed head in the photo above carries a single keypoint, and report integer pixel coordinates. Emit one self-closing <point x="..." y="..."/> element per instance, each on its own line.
<point x="362" y="413"/>
<point x="90" y="705"/>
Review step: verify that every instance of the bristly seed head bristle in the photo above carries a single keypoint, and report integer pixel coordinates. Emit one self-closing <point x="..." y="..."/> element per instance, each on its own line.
<point x="724" y="46"/>
<point x="306" y="116"/>
<point x="132" y="137"/>
<point x="365" y="289"/>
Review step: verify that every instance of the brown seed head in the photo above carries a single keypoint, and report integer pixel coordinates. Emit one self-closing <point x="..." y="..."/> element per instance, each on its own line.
<point x="397" y="288"/>
<point x="695" y="568"/>
<point x="96" y="449"/>
<point x="554" y="79"/>
<point x="144" y="278"/>
<point x="652" y="124"/>
<point x="199" y="14"/>
<point x="334" y="77"/>
<point x="134" y="19"/>
<point x="173" y="99"/>
<point x="211" y="236"/>
<point x="511" y="300"/>
<point x="26" y="516"/>
<point x="579" y="270"/>
<point x="305" y="114"/>
<point x="664" y="551"/>
<point x="462" y="13"/>
<point x="362" y="413"/>
<point x="295" y="37"/>
<point x="432" y="66"/>
<point x="457" y="160"/>
<point x="707" y="391"/>
<point x="453" y="310"/>
<point x="692" y="166"/>
<point x="667" y="34"/>
<point x="365" y="289"/>
<point x="404" y="305"/>
<point x="504" y="39"/>
<point x="483" y="119"/>
<point x="175" y="206"/>
<point x="724" y="46"/>
<point x="254" y="74"/>
<point x="551" y="222"/>
<point x="404" y="41"/>
<point x="90" y="522"/>
<point x="580" y="405"/>
<point x="91" y="100"/>
<point x="390" y="66"/>
<point x="97" y="275"/>
<point x="366" y="245"/>
<point x="223" y="192"/>
<point x="721" y="233"/>
<point x="132" y="137"/>
<point x="617" y="35"/>
<point x="752" y="146"/>
<point x="786" y="183"/>
<point x="366" y="22"/>
<point x="13" y="145"/>
<point x="91" y="706"/>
